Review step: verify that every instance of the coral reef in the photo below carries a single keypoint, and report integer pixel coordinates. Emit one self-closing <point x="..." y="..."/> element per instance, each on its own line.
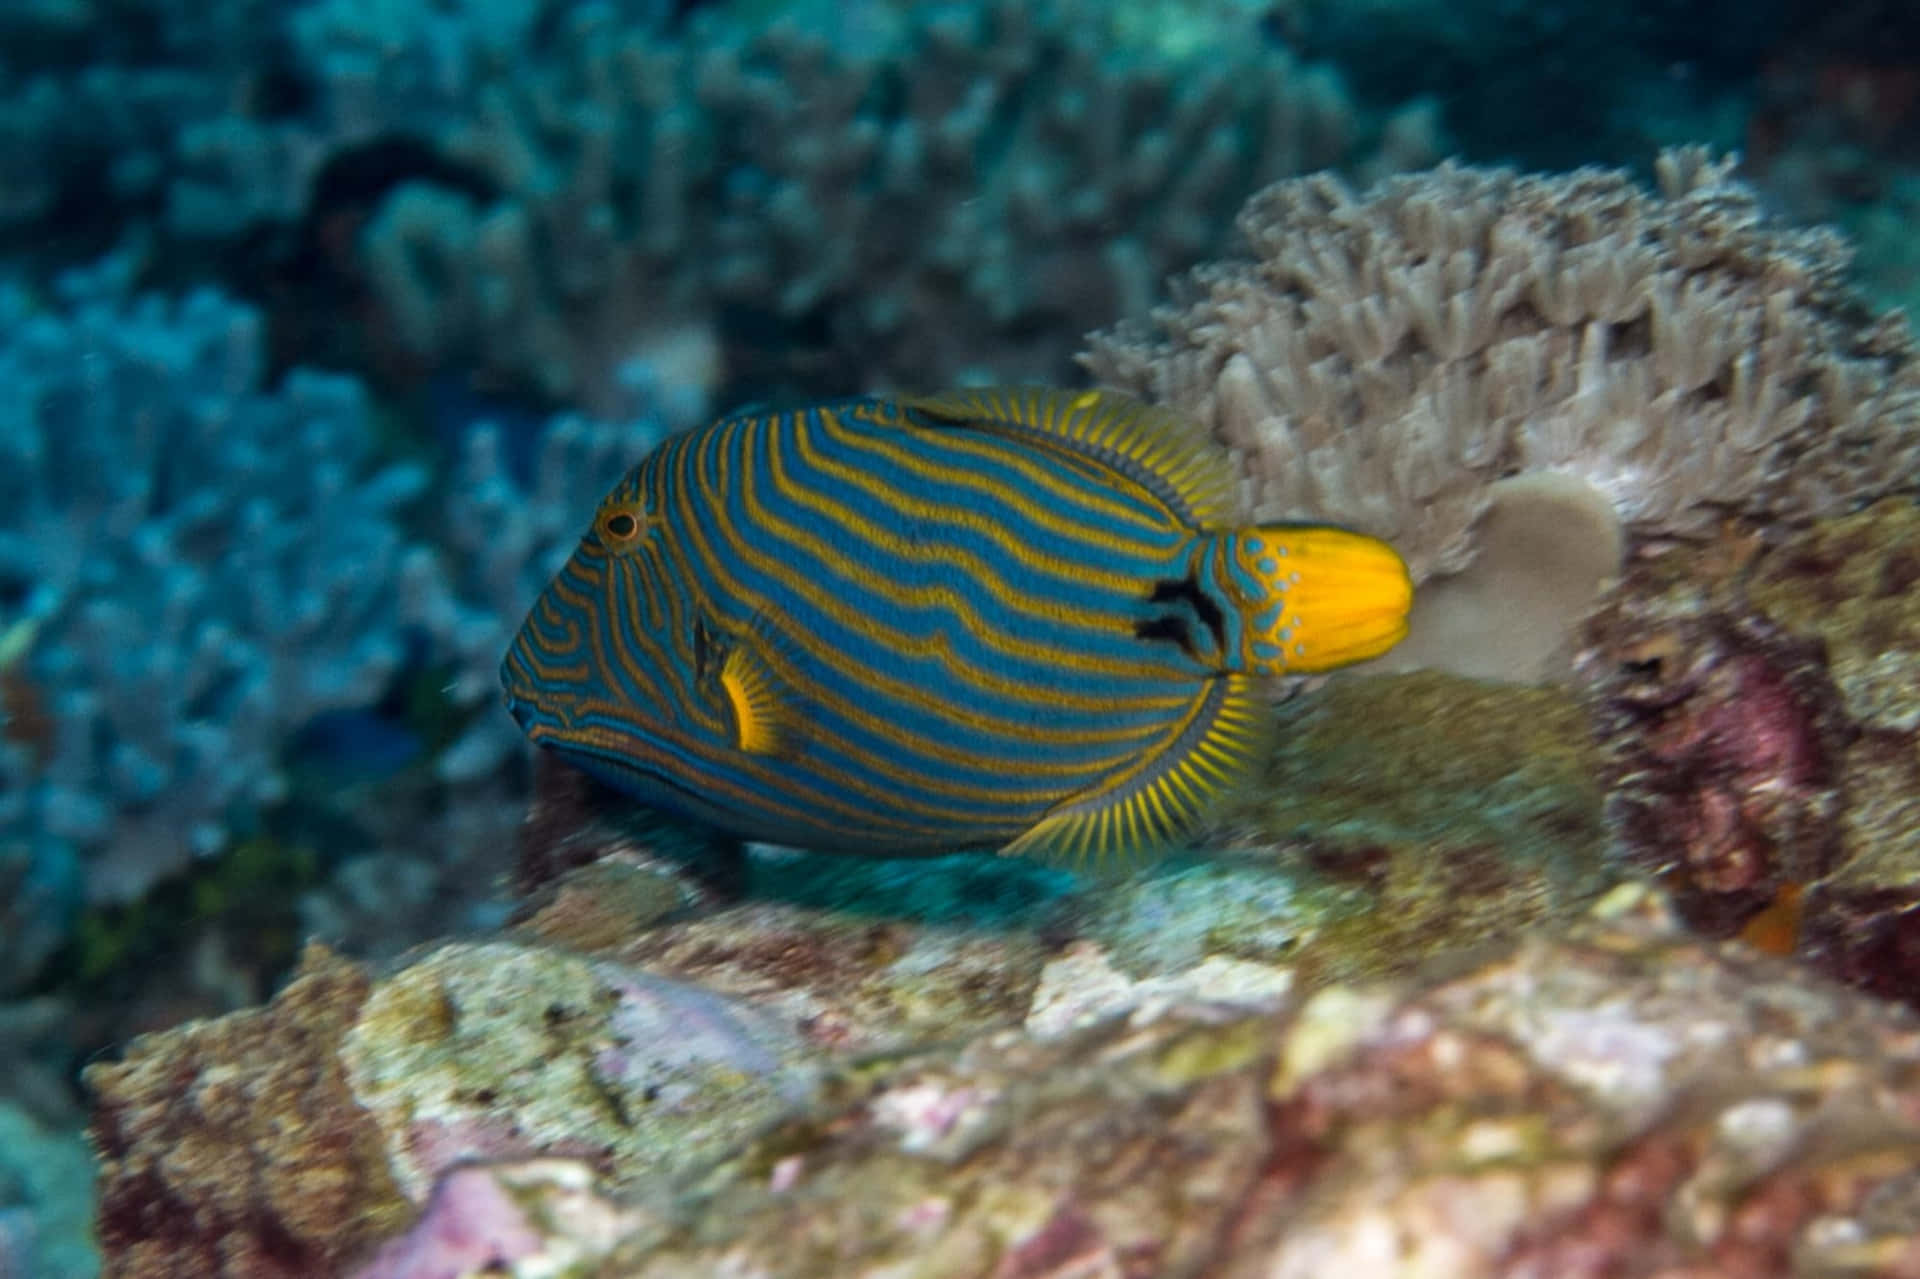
<point x="584" y="200"/>
<point x="235" y="1147"/>
<point x="1431" y="811"/>
<point x="492" y="1051"/>
<point x="1611" y="975"/>
<point x="205" y="565"/>
<point x="1612" y="1091"/>
<point x="940" y="202"/>
<point x="196" y="568"/>
<point x="1398" y="361"/>
<point x="862" y="195"/>
<point x="835" y="968"/>
<point x="1761" y="738"/>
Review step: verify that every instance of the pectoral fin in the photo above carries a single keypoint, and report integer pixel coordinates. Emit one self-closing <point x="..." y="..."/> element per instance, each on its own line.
<point x="753" y="698"/>
<point x="762" y="711"/>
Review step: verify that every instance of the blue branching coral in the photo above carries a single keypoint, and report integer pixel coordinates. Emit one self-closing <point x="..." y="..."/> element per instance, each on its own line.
<point x="202" y="563"/>
<point x="948" y="190"/>
<point x="194" y="566"/>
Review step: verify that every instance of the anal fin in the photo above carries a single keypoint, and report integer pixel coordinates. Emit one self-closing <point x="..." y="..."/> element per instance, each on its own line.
<point x="1222" y="746"/>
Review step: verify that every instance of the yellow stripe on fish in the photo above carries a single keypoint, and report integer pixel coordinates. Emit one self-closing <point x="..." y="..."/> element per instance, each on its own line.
<point x="1013" y="619"/>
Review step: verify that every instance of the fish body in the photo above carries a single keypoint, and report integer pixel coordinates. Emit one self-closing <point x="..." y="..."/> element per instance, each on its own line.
<point x="997" y="619"/>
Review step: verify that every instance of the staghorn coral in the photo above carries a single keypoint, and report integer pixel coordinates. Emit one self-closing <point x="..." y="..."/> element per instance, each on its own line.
<point x="922" y="191"/>
<point x="197" y="567"/>
<point x="100" y="104"/>
<point x="1411" y="360"/>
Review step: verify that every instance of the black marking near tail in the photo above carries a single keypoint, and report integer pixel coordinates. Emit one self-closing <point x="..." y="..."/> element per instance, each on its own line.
<point x="1175" y="625"/>
<point x="1168" y="626"/>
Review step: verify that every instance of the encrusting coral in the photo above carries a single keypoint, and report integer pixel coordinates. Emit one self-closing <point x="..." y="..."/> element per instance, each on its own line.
<point x="1570" y="347"/>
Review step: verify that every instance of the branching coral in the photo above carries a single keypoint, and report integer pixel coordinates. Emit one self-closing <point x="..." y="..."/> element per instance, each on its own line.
<point x="961" y="190"/>
<point x="882" y="193"/>
<point x="207" y="564"/>
<point x="1395" y="360"/>
<point x="194" y="568"/>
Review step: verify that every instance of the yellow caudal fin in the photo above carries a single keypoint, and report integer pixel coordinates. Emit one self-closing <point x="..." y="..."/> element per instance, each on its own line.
<point x="1306" y="597"/>
<point x="1221" y="744"/>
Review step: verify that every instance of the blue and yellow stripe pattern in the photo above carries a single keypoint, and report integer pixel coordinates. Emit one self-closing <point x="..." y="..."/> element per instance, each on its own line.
<point x="989" y="619"/>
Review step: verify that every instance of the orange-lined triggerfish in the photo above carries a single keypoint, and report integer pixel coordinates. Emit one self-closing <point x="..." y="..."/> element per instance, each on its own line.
<point x="1011" y="619"/>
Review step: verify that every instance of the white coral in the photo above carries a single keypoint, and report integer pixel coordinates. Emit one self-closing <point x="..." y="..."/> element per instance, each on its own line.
<point x="1382" y="361"/>
<point x="1394" y="362"/>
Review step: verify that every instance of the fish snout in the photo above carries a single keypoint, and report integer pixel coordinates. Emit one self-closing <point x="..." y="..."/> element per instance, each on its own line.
<point x="520" y="708"/>
<point x="526" y="699"/>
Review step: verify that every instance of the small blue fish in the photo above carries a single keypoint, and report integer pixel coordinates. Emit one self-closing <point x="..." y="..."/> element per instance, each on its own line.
<point x="988" y="619"/>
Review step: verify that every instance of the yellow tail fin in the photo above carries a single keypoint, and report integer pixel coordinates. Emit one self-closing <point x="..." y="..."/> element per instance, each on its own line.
<point x="1311" y="597"/>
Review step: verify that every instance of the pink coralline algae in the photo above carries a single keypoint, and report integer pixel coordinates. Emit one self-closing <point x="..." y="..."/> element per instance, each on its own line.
<point x="1724" y="735"/>
<point x="471" y="1226"/>
<point x="1759" y="716"/>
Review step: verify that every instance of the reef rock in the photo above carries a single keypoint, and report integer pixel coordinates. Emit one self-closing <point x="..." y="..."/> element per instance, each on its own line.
<point x="1760" y="738"/>
<point x="841" y="1098"/>
<point x="1621" y="1100"/>
<point x="235" y="1147"/>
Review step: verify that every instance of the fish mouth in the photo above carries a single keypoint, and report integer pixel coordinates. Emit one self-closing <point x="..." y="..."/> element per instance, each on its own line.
<point x="524" y="702"/>
<point x="524" y="713"/>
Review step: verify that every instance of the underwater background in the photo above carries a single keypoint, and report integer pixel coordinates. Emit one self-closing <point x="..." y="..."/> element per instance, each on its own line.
<point x="324" y="325"/>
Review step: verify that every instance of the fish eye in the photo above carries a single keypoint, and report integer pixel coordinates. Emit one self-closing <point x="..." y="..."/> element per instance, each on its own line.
<point x="619" y="528"/>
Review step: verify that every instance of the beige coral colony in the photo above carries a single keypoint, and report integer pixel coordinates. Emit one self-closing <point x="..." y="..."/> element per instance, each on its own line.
<point x="1520" y="379"/>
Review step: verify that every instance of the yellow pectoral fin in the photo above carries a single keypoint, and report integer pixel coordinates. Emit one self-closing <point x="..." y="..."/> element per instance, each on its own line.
<point x="762" y="715"/>
<point x="1221" y="746"/>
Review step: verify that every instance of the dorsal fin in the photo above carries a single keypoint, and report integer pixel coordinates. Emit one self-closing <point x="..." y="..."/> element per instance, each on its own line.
<point x="1155" y="446"/>
<point x="1154" y="807"/>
